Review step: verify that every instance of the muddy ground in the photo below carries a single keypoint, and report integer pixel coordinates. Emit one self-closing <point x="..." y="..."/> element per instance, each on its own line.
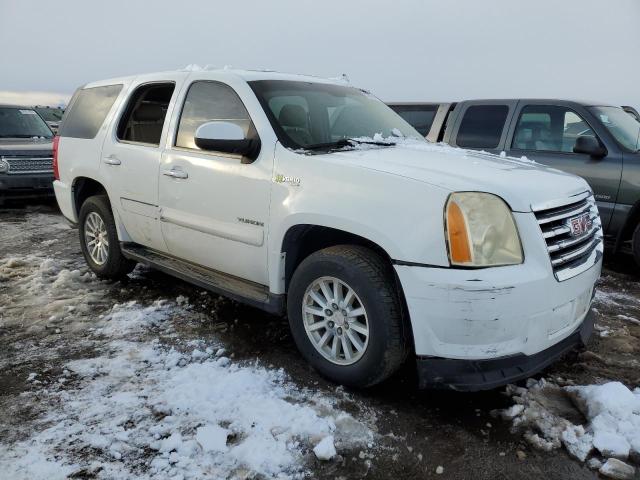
<point x="418" y="430"/>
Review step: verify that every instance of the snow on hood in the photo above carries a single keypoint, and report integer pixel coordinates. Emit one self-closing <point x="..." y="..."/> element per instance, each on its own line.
<point x="520" y="182"/>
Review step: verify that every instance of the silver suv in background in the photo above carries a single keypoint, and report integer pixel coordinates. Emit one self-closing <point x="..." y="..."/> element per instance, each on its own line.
<point x="26" y="154"/>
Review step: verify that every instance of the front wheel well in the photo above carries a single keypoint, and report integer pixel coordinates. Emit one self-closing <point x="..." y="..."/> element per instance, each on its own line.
<point x="83" y="188"/>
<point x="300" y="241"/>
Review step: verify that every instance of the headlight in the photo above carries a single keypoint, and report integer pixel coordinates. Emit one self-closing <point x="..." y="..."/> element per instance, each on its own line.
<point x="481" y="231"/>
<point x="4" y="166"/>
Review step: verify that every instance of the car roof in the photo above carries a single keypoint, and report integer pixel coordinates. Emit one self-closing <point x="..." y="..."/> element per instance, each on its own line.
<point x="247" y="75"/>
<point x="584" y="103"/>
<point x="8" y="105"/>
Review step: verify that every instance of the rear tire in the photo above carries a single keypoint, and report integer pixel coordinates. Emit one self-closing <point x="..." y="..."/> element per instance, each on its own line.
<point x="365" y="317"/>
<point x="99" y="239"/>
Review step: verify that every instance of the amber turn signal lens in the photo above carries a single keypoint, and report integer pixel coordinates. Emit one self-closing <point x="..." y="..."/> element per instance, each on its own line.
<point x="459" y="247"/>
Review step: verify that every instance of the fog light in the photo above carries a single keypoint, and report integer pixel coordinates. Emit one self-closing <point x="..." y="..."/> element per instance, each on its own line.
<point x="4" y="166"/>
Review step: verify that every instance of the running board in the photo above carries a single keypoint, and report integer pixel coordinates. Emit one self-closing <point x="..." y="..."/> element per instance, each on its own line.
<point x="235" y="288"/>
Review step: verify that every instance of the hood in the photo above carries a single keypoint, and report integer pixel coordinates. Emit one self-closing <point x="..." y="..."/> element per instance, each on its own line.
<point x="26" y="146"/>
<point x="520" y="182"/>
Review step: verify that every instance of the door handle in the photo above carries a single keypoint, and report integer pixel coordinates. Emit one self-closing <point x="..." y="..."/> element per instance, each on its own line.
<point x="176" y="173"/>
<point x="111" y="160"/>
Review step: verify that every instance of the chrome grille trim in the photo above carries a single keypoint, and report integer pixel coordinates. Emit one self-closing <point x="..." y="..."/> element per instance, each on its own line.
<point x="29" y="164"/>
<point x="570" y="255"/>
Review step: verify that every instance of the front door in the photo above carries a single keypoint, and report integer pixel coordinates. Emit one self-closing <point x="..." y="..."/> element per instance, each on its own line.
<point x="547" y="134"/>
<point x="214" y="207"/>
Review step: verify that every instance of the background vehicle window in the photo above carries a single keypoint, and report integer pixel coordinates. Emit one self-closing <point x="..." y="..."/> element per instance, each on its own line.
<point x="88" y="109"/>
<point x="22" y="123"/>
<point x="482" y="126"/>
<point x="144" y="117"/>
<point x="419" y="117"/>
<point x="208" y="102"/>
<point x="621" y="125"/>
<point x="549" y="128"/>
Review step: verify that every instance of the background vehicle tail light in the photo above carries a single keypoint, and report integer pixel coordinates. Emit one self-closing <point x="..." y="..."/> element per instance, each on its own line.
<point x="56" y="172"/>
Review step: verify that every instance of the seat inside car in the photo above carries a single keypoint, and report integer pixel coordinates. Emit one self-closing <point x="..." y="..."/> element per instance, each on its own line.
<point x="295" y="123"/>
<point x="147" y="122"/>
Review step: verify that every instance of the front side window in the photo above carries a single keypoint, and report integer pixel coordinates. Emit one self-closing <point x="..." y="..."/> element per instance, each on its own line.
<point x="87" y="110"/>
<point x="419" y="117"/>
<point x="309" y="114"/>
<point x="145" y="114"/>
<point x="482" y="126"/>
<point x="22" y="123"/>
<point x="549" y="128"/>
<point x="209" y="101"/>
<point x="622" y="126"/>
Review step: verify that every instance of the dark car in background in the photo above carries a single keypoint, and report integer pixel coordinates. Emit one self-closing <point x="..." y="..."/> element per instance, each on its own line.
<point x="598" y="142"/>
<point x="26" y="154"/>
<point x="51" y="115"/>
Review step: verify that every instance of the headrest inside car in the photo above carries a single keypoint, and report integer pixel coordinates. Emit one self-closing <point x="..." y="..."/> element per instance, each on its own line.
<point x="293" y="116"/>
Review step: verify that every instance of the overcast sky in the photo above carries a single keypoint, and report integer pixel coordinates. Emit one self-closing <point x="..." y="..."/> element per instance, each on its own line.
<point x="402" y="50"/>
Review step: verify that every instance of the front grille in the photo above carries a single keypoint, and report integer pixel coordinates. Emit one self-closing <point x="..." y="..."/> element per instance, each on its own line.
<point x="22" y="165"/>
<point x="571" y="254"/>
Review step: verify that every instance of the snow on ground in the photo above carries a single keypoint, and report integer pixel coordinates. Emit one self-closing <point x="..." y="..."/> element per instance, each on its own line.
<point x="545" y="412"/>
<point x="148" y="408"/>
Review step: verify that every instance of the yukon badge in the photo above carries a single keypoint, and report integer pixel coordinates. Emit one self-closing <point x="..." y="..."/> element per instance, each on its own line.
<point x="293" y="181"/>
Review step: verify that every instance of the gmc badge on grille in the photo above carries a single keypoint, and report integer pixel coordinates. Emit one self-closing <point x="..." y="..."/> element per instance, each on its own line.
<point x="580" y="225"/>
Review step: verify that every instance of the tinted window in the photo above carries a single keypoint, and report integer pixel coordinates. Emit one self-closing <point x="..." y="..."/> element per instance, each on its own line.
<point x="22" y="123"/>
<point x="88" y="109"/>
<point x="419" y="117"/>
<point x="144" y="117"/>
<point x="207" y="102"/>
<point x="549" y="128"/>
<point x="482" y="126"/>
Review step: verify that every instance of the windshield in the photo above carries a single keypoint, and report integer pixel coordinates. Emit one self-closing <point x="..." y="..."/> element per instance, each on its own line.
<point x="50" y="114"/>
<point x="622" y="126"/>
<point x="309" y="115"/>
<point x="22" y="123"/>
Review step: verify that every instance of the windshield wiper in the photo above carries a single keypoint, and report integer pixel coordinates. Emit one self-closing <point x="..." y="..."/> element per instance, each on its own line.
<point x="345" y="142"/>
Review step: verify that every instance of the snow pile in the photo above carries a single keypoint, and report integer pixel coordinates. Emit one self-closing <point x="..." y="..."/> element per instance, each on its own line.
<point x="148" y="410"/>
<point x="611" y="410"/>
<point x="47" y="289"/>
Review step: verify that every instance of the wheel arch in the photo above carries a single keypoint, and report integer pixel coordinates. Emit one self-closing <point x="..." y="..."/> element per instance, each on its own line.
<point x="301" y="240"/>
<point x="629" y="226"/>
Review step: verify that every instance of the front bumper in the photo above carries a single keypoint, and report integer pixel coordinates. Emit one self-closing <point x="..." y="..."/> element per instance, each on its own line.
<point x="474" y="375"/>
<point x="26" y="186"/>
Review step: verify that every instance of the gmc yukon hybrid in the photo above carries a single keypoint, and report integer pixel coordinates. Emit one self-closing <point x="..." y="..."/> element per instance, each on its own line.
<point x="311" y="197"/>
<point x="599" y="142"/>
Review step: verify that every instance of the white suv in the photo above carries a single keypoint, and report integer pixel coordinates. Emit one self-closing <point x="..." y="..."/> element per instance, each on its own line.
<point x="311" y="197"/>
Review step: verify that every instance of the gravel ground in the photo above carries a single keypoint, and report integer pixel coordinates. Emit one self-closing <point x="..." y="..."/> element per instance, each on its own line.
<point x="416" y="432"/>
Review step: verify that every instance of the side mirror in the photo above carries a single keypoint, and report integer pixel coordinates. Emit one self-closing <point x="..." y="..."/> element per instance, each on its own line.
<point x="590" y="146"/>
<point x="226" y="137"/>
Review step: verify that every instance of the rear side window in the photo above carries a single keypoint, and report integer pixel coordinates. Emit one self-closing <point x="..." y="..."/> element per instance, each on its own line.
<point x="482" y="126"/>
<point x="419" y="117"/>
<point x="89" y="108"/>
<point x="210" y="101"/>
<point x="146" y="111"/>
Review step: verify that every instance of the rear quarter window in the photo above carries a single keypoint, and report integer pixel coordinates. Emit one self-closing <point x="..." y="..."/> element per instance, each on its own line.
<point x="87" y="111"/>
<point x="482" y="126"/>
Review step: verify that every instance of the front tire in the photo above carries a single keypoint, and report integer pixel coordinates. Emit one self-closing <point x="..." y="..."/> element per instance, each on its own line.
<point x="345" y="315"/>
<point x="99" y="239"/>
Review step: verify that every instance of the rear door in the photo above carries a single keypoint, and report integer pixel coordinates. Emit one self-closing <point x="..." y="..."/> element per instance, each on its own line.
<point x="481" y="125"/>
<point x="547" y="132"/>
<point x="131" y="157"/>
